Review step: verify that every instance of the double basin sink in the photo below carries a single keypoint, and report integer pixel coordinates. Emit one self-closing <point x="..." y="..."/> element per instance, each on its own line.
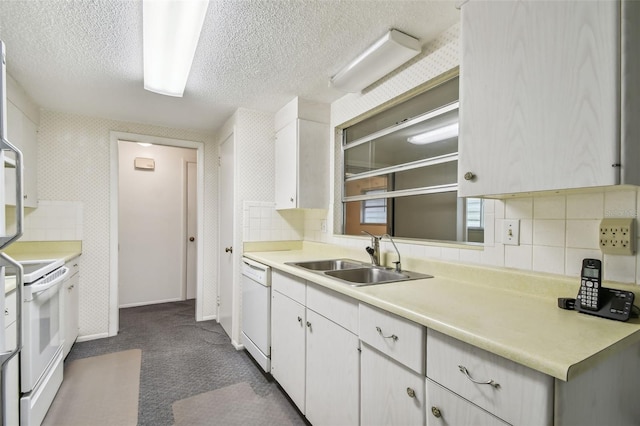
<point x="356" y="273"/>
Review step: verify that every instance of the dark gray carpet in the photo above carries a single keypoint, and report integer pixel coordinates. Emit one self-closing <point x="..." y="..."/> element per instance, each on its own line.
<point x="182" y="358"/>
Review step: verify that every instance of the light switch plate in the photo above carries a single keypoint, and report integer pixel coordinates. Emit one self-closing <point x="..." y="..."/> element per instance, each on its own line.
<point x="618" y="236"/>
<point x="511" y="232"/>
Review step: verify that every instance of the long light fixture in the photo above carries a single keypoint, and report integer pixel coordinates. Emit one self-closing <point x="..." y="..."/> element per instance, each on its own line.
<point x="385" y="55"/>
<point x="171" y="30"/>
<point x="435" y="135"/>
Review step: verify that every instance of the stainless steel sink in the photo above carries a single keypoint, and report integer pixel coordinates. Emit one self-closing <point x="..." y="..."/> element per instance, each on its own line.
<point x="374" y="275"/>
<point x="357" y="273"/>
<point x="328" y="265"/>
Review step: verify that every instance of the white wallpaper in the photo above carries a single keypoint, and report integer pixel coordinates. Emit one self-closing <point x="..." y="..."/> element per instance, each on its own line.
<point x="254" y="181"/>
<point x="74" y="165"/>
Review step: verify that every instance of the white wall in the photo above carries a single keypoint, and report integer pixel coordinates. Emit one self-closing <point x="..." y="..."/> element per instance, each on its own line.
<point x="151" y="224"/>
<point x="74" y="165"/>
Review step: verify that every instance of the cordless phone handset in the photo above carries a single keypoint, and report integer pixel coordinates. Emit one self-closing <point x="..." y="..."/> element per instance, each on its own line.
<point x="591" y="293"/>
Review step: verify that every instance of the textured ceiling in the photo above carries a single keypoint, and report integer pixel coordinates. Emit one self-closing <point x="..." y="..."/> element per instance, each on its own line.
<point x="85" y="57"/>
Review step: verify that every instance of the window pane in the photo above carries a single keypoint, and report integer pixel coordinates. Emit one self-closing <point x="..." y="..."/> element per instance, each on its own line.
<point x="394" y="149"/>
<point x="427" y="101"/>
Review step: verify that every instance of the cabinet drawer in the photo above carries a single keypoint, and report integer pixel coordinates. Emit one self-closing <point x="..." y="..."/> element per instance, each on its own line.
<point x="518" y="394"/>
<point x="396" y="337"/>
<point x="290" y="286"/>
<point x="447" y="408"/>
<point x="341" y="309"/>
<point x="74" y="267"/>
<point x="10" y="309"/>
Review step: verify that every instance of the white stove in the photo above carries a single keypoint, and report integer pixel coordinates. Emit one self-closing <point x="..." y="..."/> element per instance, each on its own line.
<point x="41" y="356"/>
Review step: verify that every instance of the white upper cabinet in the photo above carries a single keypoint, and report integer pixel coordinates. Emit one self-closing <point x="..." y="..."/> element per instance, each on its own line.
<point x="23" y="134"/>
<point x="302" y="156"/>
<point x="540" y="96"/>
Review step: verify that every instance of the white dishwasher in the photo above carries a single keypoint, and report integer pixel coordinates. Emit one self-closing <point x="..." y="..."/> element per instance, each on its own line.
<point x="256" y="311"/>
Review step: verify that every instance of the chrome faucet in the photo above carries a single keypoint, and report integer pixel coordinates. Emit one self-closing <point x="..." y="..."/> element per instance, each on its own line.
<point x="398" y="264"/>
<point x="374" y="249"/>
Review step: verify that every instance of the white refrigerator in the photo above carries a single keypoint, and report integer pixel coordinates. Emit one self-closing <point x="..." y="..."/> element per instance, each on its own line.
<point x="10" y="338"/>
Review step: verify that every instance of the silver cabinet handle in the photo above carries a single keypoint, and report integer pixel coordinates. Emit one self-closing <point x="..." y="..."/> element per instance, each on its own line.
<point x="411" y="393"/>
<point x="228" y="250"/>
<point x="393" y="336"/>
<point x="300" y="320"/>
<point x="309" y="325"/>
<point x="469" y="176"/>
<point x="464" y="371"/>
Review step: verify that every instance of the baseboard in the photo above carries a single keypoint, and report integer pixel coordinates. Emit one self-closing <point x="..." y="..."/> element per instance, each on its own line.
<point x="238" y="346"/>
<point x="209" y="318"/>
<point x="92" y="337"/>
<point x="155" y="302"/>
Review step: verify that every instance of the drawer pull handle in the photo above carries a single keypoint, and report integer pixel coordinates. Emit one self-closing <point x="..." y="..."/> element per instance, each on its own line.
<point x="464" y="371"/>
<point x="309" y="326"/>
<point x="393" y="336"/>
<point x="300" y="320"/>
<point x="436" y="412"/>
<point x="411" y="393"/>
<point x="6" y="311"/>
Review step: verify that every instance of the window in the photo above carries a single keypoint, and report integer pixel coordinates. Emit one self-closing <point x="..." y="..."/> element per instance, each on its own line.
<point x="400" y="171"/>
<point x="374" y="211"/>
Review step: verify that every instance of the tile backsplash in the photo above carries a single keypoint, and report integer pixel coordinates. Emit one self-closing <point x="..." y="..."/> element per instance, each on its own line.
<point x="51" y="221"/>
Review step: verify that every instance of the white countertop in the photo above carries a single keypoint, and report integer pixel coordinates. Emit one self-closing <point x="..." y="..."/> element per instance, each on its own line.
<point x="518" y="321"/>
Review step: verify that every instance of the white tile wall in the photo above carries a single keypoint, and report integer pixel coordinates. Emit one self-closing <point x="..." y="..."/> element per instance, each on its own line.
<point x="54" y="221"/>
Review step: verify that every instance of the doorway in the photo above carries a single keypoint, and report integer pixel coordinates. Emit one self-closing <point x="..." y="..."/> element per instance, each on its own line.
<point x="153" y="218"/>
<point x="135" y="253"/>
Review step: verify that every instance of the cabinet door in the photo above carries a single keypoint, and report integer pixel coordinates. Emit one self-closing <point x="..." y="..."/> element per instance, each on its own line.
<point x="29" y="150"/>
<point x="287" y="166"/>
<point x="288" y="346"/>
<point x="539" y="102"/>
<point x="391" y="393"/>
<point x="71" y="307"/>
<point x="11" y="384"/>
<point x="333" y="364"/>
<point x="446" y="408"/>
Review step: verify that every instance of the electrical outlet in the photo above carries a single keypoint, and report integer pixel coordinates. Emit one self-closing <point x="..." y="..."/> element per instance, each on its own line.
<point x="511" y="232"/>
<point x="618" y="236"/>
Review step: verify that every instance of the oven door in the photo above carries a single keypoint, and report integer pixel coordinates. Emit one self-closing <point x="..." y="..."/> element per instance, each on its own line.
<point x="41" y="332"/>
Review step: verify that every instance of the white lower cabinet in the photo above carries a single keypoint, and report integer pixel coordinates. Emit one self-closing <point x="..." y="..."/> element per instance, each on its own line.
<point x="391" y="393"/>
<point x="446" y="408"/>
<point x="510" y="391"/>
<point x="11" y="383"/>
<point x="314" y="359"/>
<point x="70" y="306"/>
<point x="288" y="346"/>
<point x="333" y="360"/>
<point x="392" y="380"/>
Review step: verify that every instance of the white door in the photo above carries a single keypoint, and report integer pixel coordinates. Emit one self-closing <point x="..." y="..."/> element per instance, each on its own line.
<point x="192" y="230"/>
<point x="226" y="203"/>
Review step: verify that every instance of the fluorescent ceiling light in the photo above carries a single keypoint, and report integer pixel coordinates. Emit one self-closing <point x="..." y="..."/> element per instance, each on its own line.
<point x="144" y="144"/>
<point x="171" y="30"/>
<point x="435" y="135"/>
<point x="384" y="56"/>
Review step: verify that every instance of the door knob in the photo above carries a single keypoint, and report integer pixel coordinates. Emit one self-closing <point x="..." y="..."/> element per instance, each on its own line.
<point x="228" y="249"/>
<point x="192" y="239"/>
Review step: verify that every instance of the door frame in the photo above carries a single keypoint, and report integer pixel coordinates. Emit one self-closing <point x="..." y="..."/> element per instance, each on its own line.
<point x="113" y="219"/>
